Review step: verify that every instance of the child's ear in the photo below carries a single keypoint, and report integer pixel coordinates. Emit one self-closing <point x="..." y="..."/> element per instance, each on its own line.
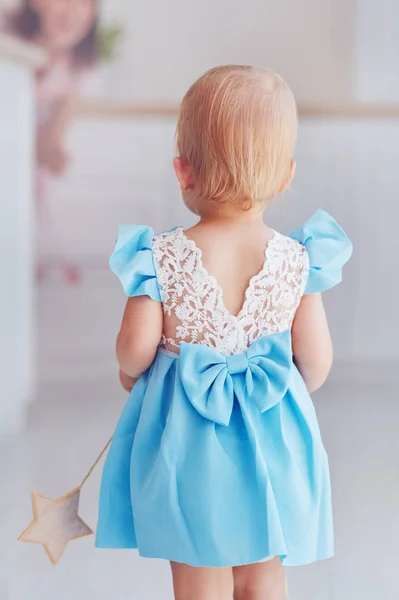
<point x="290" y="176"/>
<point x="184" y="173"/>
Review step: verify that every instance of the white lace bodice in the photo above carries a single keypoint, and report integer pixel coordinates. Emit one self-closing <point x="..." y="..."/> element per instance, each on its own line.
<point x="193" y="301"/>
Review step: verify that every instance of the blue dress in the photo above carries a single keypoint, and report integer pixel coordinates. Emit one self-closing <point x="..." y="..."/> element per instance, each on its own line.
<point x="217" y="460"/>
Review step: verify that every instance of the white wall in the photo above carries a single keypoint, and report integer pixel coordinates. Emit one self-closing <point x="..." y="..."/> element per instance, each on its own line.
<point x="376" y="44"/>
<point x="169" y="44"/>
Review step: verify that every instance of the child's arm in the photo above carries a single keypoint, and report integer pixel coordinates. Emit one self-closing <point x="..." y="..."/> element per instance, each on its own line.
<point x="50" y="143"/>
<point x="139" y="336"/>
<point x="311" y="342"/>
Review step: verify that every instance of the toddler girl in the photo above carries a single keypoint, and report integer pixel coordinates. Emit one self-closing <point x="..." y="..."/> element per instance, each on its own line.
<point x="217" y="463"/>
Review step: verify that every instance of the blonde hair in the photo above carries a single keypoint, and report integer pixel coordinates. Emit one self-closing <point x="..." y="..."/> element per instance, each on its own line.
<point x="237" y="130"/>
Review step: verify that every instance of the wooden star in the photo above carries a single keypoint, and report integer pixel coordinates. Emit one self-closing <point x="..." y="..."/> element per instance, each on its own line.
<point x="55" y="523"/>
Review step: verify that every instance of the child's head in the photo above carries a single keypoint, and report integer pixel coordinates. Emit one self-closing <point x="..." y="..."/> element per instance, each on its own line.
<point x="64" y="25"/>
<point x="235" y="138"/>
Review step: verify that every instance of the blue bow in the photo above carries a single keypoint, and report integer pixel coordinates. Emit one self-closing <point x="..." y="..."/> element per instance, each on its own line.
<point x="212" y="380"/>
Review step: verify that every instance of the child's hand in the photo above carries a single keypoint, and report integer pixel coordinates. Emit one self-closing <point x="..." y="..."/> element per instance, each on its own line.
<point x="126" y="381"/>
<point x="52" y="156"/>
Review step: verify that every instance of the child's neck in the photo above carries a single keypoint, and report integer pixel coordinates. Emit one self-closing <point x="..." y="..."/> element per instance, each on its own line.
<point x="230" y="215"/>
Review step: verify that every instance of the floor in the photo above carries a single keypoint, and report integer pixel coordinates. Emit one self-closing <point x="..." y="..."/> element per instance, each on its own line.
<point x="74" y="416"/>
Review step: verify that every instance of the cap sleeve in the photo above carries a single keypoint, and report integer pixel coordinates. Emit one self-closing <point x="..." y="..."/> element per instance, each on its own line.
<point x="132" y="261"/>
<point x="328" y="248"/>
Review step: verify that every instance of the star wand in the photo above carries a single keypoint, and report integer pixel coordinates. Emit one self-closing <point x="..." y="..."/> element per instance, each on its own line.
<point x="57" y="522"/>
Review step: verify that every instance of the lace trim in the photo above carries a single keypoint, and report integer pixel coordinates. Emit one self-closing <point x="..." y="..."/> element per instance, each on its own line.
<point x="193" y="300"/>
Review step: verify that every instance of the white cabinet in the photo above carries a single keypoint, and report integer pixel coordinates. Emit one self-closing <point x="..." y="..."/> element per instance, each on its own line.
<point x="17" y="122"/>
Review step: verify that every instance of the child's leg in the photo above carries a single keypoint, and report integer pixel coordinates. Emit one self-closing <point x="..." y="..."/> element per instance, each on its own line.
<point x="47" y="233"/>
<point x="260" y="581"/>
<point x="200" y="583"/>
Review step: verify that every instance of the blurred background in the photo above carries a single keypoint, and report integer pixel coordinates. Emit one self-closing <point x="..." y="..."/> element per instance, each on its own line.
<point x="89" y="96"/>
